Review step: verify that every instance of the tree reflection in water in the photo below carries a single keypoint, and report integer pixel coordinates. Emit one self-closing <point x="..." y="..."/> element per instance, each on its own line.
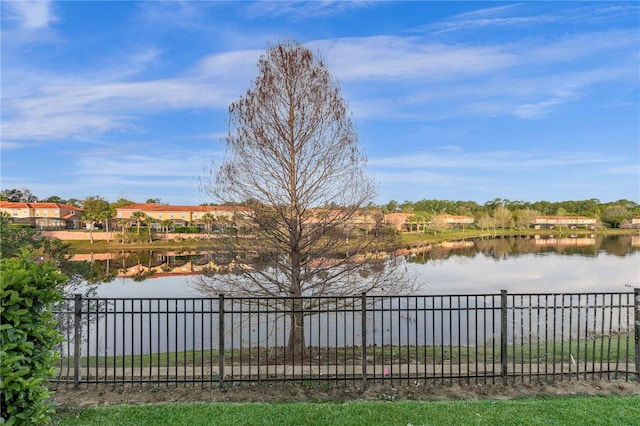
<point x="144" y="264"/>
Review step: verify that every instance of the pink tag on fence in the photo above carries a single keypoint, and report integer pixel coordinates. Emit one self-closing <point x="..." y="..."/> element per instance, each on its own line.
<point x="385" y="372"/>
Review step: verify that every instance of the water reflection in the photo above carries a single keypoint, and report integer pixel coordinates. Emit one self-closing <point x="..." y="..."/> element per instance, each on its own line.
<point x="567" y="264"/>
<point x="144" y="264"/>
<point x="548" y="273"/>
<point x="518" y="265"/>
<point x="503" y="248"/>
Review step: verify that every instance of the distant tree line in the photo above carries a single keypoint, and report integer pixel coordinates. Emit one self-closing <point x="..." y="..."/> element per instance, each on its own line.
<point x="504" y="213"/>
<point x="497" y="213"/>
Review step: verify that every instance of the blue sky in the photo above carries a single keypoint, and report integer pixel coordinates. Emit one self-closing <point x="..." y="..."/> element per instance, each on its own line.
<point x="452" y="100"/>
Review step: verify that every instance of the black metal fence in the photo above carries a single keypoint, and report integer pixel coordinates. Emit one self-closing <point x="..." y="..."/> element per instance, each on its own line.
<point x="479" y="338"/>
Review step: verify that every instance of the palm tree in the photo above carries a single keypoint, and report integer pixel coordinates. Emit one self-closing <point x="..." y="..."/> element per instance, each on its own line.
<point x="148" y="220"/>
<point x="139" y="217"/>
<point x="166" y="224"/>
<point x="89" y="219"/>
<point x="123" y="224"/>
<point x="106" y="216"/>
<point x="208" y="220"/>
<point x="223" y="221"/>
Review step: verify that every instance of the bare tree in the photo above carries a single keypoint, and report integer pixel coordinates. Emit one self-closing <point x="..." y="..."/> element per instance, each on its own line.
<point x="486" y="222"/>
<point x="294" y="164"/>
<point x="525" y="217"/>
<point x="503" y="217"/>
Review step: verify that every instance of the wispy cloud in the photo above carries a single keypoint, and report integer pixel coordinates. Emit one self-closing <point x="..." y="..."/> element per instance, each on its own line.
<point x="525" y="80"/>
<point x="64" y="111"/>
<point x="527" y="14"/>
<point x="30" y="15"/>
<point x="97" y="164"/>
<point x="140" y="176"/>
<point x="305" y="9"/>
<point x="493" y="160"/>
<point x="392" y="58"/>
<point x="71" y="110"/>
<point x="628" y="169"/>
<point x="481" y="23"/>
<point x="63" y="107"/>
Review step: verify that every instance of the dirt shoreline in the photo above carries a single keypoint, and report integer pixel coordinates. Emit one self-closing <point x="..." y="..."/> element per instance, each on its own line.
<point x="101" y="395"/>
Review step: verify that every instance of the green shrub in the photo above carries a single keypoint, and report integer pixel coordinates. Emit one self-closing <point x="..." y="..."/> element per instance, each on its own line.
<point x="187" y="229"/>
<point x="133" y="236"/>
<point x="28" y="336"/>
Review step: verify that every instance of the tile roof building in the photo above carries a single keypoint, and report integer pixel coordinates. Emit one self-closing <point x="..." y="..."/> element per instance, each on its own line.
<point x="180" y="215"/>
<point x="564" y="221"/>
<point x="43" y="215"/>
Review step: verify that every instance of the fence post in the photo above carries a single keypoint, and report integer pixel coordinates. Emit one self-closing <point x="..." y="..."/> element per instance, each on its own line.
<point x="77" y="338"/>
<point x="363" y="339"/>
<point x="636" y="309"/>
<point x="503" y="335"/>
<point x="221" y="339"/>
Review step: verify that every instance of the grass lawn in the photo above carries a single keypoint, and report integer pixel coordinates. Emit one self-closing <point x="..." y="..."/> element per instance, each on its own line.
<point x="600" y="410"/>
<point x="608" y="349"/>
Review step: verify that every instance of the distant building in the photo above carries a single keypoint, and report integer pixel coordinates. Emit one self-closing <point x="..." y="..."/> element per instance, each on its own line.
<point x="571" y="222"/>
<point x="43" y="215"/>
<point x="398" y="220"/>
<point x="366" y="219"/>
<point x="453" y="221"/>
<point x="403" y="221"/>
<point x="180" y="215"/>
<point x="635" y="222"/>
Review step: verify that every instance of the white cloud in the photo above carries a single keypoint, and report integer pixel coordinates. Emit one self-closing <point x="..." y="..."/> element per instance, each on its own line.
<point x="493" y="160"/>
<point x="423" y="80"/>
<point x="386" y="77"/>
<point x="57" y="106"/>
<point x="536" y="109"/>
<point x="393" y="58"/>
<point x="574" y="47"/>
<point x="630" y="169"/>
<point x="481" y="23"/>
<point x="30" y="15"/>
<point x="240" y="65"/>
<point x="134" y="165"/>
<point x="69" y="110"/>
<point x="304" y="9"/>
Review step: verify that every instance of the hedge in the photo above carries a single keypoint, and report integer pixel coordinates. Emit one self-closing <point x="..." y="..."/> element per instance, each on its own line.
<point x="28" y="337"/>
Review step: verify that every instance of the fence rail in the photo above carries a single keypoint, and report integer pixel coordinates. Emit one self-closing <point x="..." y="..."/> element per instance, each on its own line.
<point x="480" y="338"/>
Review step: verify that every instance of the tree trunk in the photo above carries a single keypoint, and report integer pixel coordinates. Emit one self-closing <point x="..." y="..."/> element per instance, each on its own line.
<point x="296" y="346"/>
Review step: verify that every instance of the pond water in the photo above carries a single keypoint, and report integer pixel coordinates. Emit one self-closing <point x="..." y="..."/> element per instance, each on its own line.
<point x="518" y="265"/>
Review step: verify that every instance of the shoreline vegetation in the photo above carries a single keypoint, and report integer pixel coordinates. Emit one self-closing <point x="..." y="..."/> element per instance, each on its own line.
<point x="408" y="240"/>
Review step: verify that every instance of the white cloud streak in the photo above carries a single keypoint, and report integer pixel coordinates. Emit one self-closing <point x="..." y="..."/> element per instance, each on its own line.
<point x="136" y="165"/>
<point x="493" y="160"/>
<point x="30" y="15"/>
<point x="304" y="9"/>
<point x="72" y="110"/>
<point x="387" y="58"/>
